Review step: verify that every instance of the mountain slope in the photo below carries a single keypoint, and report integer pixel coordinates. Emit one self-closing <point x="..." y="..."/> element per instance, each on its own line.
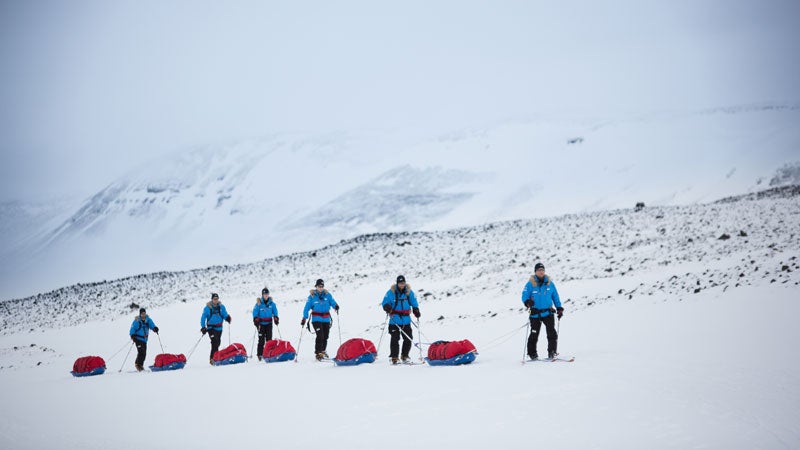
<point x="278" y="194"/>
<point x="654" y="252"/>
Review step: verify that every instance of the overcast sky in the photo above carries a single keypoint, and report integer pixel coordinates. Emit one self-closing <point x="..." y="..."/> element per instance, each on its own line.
<point x="91" y="88"/>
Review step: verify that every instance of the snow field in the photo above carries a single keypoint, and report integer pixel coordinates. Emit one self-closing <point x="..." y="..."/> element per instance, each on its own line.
<point x="707" y="371"/>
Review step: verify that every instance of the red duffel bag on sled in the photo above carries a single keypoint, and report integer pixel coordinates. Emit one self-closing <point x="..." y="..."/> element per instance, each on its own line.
<point x="167" y="361"/>
<point x="232" y="354"/>
<point x="451" y="353"/>
<point x="86" y="366"/>
<point x="277" y="350"/>
<point x="355" y="351"/>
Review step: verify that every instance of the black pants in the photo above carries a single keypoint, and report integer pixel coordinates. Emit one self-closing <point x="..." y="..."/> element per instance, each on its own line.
<point x="216" y="338"/>
<point x="264" y="335"/>
<point x="323" y="330"/>
<point x="552" y="336"/>
<point x="141" y="352"/>
<point x="394" y="343"/>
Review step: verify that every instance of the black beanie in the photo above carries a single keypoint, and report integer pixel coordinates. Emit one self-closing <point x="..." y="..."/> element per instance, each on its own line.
<point x="213" y="295"/>
<point x="319" y="282"/>
<point x="538" y="266"/>
<point x="264" y="291"/>
<point x="142" y="310"/>
<point x="401" y="279"/>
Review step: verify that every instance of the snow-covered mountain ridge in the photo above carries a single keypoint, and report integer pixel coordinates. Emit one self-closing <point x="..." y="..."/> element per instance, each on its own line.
<point x="243" y="201"/>
<point x="659" y="252"/>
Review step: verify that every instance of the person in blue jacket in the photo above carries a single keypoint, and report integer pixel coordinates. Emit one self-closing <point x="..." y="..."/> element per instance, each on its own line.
<point x="140" y="329"/>
<point x="539" y="296"/>
<point x="399" y="303"/>
<point x="211" y="322"/>
<point x="320" y="302"/>
<point x="265" y="313"/>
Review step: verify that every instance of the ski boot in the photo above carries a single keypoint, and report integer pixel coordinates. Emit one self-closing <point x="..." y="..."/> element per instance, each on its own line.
<point x="320" y="356"/>
<point x="259" y="358"/>
<point x="405" y="359"/>
<point x="139" y="367"/>
<point x="551" y="355"/>
<point x="533" y="357"/>
<point x="211" y="361"/>
<point x="394" y="360"/>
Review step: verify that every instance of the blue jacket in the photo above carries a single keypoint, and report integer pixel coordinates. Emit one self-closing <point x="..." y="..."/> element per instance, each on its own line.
<point x="401" y="304"/>
<point x="543" y="294"/>
<point x="140" y="329"/>
<point x="264" y="311"/>
<point x="213" y="316"/>
<point x="320" y="305"/>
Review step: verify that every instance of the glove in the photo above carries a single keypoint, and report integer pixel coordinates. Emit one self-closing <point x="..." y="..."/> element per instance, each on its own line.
<point x="133" y="339"/>
<point x="560" y="312"/>
<point x="529" y="303"/>
<point x="416" y="313"/>
<point x="276" y="320"/>
<point x="255" y="321"/>
<point x="228" y="319"/>
<point x="336" y="308"/>
<point x="203" y="330"/>
<point x="388" y="308"/>
<point x="302" y="322"/>
<point x="155" y="330"/>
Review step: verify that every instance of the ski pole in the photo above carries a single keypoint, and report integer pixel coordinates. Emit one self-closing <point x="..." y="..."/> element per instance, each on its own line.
<point x="525" y="347"/>
<point x="383" y="331"/>
<point x="195" y="347"/>
<point x="126" y="357"/>
<point x="339" y="326"/>
<point x="159" y="343"/>
<point x="420" y="332"/>
<point x="229" y="333"/>
<point x="558" y="330"/>
<point x="299" y="341"/>
<point x="253" y="345"/>
<point x="527" y="336"/>
<point x="419" y="337"/>
<point x="117" y="352"/>
<point x="279" y="331"/>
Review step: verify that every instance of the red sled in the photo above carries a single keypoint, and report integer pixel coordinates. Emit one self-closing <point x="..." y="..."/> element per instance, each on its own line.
<point x="87" y="366"/>
<point x="355" y="351"/>
<point x="444" y="353"/>
<point x="232" y="354"/>
<point x="277" y="350"/>
<point x="167" y="361"/>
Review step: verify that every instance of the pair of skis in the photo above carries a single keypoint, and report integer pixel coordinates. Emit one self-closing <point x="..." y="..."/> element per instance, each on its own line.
<point x="557" y="358"/>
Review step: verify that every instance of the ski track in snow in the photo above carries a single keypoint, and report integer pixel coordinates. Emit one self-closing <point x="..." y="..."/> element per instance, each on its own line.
<point x="680" y="338"/>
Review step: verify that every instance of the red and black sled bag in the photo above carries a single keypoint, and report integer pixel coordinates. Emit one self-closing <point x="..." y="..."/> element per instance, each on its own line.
<point x="230" y="351"/>
<point x="354" y="348"/>
<point x="166" y="359"/>
<point x="86" y="364"/>
<point x="447" y="350"/>
<point x="277" y="347"/>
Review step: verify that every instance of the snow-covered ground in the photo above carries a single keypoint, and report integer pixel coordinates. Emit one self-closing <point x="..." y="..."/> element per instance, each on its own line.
<point x="681" y="339"/>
